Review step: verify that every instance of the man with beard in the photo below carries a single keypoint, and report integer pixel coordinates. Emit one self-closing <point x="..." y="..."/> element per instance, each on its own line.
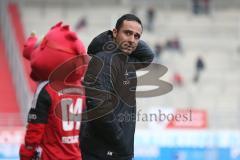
<point x="107" y="130"/>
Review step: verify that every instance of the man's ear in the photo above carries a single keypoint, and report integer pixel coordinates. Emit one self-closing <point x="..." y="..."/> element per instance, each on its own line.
<point x="114" y="33"/>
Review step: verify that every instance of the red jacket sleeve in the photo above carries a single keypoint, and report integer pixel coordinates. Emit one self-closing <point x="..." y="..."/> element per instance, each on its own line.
<point x="37" y="120"/>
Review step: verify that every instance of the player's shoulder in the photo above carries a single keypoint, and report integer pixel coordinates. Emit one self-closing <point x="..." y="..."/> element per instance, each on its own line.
<point x="101" y="58"/>
<point x="40" y="88"/>
<point x="41" y="95"/>
<point x="103" y="55"/>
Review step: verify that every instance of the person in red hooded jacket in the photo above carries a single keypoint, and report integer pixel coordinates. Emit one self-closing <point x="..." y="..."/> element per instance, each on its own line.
<point x="58" y="63"/>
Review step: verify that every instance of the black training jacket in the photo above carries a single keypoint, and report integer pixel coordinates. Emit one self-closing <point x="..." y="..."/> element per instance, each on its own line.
<point x="107" y="132"/>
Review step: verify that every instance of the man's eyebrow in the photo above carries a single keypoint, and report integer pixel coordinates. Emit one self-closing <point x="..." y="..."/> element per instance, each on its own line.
<point x="127" y="30"/>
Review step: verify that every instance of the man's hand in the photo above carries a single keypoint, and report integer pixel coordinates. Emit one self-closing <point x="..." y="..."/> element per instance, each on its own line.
<point x="26" y="152"/>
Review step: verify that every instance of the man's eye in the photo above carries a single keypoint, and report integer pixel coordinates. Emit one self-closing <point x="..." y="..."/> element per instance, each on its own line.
<point x="128" y="33"/>
<point x="137" y="36"/>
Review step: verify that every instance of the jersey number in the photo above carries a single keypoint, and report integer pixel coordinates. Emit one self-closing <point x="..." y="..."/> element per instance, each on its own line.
<point x="70" y="113"/>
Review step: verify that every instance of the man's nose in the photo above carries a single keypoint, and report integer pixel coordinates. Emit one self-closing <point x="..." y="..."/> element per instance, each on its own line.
<point x="132" y="39"/>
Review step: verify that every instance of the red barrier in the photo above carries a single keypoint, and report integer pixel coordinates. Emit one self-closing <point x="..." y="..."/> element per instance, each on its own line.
<point x="17" y="27"/>
<point x="8" y="99"/>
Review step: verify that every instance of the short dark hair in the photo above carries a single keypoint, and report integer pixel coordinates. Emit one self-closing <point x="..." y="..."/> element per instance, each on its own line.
<point x="128" y="17"/>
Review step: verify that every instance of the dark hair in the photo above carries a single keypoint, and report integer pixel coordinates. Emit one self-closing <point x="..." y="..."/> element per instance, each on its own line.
<point x="128" y="17"/>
